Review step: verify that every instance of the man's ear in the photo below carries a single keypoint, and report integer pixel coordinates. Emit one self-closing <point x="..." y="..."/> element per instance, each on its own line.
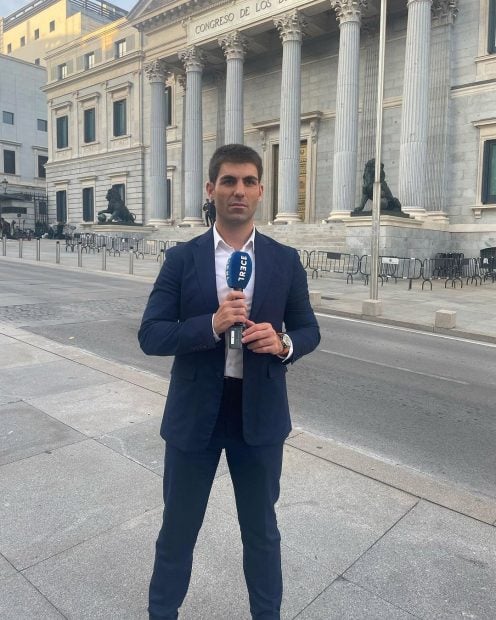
<point x="260" y="195"/>
<point x="210" y="188"/>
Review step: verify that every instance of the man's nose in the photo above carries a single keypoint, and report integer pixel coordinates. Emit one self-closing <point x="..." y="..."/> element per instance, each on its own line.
<point x="240" y="188"/>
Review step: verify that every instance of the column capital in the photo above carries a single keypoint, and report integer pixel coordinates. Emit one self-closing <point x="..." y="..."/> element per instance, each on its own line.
<point x="348" y="10"/>
<point x="234" y="45"/>
<point x="192" y="58"/>
<point x="157" y="71"/>
<point x="444" y="12"/>
<point x="291" y="26"/>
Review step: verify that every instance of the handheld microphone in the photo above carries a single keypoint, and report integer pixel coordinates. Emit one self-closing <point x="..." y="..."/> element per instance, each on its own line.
<point x="238" y="274"/>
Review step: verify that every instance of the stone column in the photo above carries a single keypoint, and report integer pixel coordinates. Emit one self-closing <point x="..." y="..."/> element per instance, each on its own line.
<point x="159" y="209"/>
<point x="290" y="26"/>
<point x="414" y="117"/>
<point x="348" y="13"/>
<point x="193" y="61"/>
<point x="181" y="83"/>
<point x="443" y="16"/>
<point x="234" y="45"/>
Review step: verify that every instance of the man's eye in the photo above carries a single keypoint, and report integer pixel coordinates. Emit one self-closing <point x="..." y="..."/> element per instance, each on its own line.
<point x="251" y="182"/>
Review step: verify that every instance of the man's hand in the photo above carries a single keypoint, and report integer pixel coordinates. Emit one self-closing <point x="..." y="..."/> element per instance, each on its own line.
<point x="231" y="310"/>
<point x="262" y="338"/>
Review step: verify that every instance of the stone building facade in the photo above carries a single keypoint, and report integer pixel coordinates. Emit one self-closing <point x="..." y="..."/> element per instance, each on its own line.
<point x="297" y="80"/>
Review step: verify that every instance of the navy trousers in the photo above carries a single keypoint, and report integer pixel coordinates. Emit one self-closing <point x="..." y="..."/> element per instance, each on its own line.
<point x="255" y="473"/>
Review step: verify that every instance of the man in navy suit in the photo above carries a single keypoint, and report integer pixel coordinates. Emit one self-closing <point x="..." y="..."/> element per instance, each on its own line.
<point x="221" y="398"/>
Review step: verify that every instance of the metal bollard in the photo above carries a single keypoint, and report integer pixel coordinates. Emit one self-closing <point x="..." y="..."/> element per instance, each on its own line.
<point x="38" y="249"/>
<point x="80" y="255"/>
<point x="20" y="247"/>
<point x="104" y="258"/>
<point x="131" y="260"/>
<point x="4" y="246"/>
<point x="57" y="252"/>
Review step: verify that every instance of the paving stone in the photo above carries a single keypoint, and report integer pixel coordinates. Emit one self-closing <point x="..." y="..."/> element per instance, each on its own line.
<point x="101" y="409"/>
<point x="48" y="378"/>
<point x="106" y="577"/>
<point x="345" y="600"/>
<point x="435" y="563"/>
<point x="19" y="600"/>
<point x="25" y="431"/>
<point x="142" y="443"/>
<point x="6" y="569"/>
<point x="16" y="354"/>
<point x="326" y="512"/>
<point x="51" y="502"/>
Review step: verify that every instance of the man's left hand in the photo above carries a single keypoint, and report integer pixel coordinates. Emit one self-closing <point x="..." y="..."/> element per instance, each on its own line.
<point x="262" y="338"/>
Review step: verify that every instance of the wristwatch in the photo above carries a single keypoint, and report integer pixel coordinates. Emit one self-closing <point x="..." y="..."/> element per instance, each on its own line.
<point x="286" y="343"/>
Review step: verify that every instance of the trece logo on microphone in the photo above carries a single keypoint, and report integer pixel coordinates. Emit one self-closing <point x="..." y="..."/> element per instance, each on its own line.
<point x="238" y="270"/>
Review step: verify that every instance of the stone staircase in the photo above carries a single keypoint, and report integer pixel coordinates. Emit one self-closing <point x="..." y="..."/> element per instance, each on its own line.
<point x="330" y="237"/>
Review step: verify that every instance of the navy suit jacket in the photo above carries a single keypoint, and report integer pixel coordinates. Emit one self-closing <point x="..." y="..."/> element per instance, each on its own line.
<point x="178" y="321"/>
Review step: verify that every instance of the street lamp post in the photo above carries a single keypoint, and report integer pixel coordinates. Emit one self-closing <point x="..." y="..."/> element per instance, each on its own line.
<point x="374" y="305"/>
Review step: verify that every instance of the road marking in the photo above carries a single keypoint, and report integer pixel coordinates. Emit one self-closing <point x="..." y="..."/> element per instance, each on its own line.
<point x="407" y="329"/>
<point x="413" y="372"/>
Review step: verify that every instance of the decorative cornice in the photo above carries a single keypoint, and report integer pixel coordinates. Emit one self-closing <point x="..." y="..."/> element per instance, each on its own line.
<point x="192" y="58"/>
<point x="444" y="12"/>
<point x="234" y="45"/>
<point x="291" y="26"/>
<point x="168" y="16"/>
<point x="157" y="71"/>
<point x="348" y="10"/>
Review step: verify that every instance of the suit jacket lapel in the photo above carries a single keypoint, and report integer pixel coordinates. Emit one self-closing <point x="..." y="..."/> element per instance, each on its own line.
<point x="264" y="266"/>
<point x="204" y="258"/>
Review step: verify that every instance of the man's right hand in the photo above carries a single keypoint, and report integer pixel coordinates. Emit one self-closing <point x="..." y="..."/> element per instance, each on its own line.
<point x="232" y="310"/>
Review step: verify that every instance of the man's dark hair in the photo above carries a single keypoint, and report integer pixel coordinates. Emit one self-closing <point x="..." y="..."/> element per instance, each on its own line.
<point x="233" y="154"/>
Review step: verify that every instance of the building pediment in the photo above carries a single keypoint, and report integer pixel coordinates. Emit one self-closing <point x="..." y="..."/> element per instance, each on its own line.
<point x="150" y="14"/>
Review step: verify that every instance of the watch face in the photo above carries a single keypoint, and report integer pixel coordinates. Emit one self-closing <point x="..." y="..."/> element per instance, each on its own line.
<point x="286" y="340"/>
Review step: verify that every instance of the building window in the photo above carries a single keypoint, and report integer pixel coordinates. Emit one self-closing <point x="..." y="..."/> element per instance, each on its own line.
<point x="62" y="71"/>
<point x="9" y="48"/>
<point x="41" y="124"/>
<point x="491" y="33"/>
<point x="120" y="118"/>
<point x="42" y="160"/>
<point x="8" y="117"/>
<point x="89" y="125"/>
<point x="61" y="200"/>
<point x="89" y="60"/>
<point x="88" y="205"/>
<point x="489" y="173"/>
<point x="37" y="61"/>
<point x="121" y="189"/>
<point x="52" y="25"/>
<point x="9" y="162"/>
<point x="23" y="41"/>
<point x="37" y="33"/>
<point x="62" y="132"/>
<point x="120" y="48"/>
<point x="168" y="105"/>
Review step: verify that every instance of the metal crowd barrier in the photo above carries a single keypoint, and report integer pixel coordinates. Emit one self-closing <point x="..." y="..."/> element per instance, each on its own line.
<point x="392" y="268"/>
<point x="320" y="262"/>
<point x="487" y="268"/>
<point x="444" y="268"/>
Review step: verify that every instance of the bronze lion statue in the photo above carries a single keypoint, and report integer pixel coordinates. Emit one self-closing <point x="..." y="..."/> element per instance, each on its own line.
<point x="117" y="209"/>
<point x="388" y="201"/>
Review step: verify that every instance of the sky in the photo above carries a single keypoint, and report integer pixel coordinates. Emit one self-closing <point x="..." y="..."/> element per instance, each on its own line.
<point x="9" y="6"/>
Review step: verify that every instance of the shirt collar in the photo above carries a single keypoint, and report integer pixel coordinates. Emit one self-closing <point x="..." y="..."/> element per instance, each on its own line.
<point x="219" y="241"/>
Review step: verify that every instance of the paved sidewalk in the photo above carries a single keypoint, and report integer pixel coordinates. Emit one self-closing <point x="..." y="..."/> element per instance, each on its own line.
<point x="80" y="486"/>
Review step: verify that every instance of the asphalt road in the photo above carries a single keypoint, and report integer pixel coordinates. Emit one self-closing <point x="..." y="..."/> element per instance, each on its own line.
<point x="423" y="400"/>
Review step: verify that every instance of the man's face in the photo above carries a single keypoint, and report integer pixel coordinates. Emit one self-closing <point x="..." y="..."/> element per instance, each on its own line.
<point x="236" y="192"/>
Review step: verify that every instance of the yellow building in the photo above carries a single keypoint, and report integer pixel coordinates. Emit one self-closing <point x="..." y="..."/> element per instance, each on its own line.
<point x="35" y="29"/>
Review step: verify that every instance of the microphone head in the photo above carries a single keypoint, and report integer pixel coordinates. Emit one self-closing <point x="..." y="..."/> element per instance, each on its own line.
<point x="238" y="270"/>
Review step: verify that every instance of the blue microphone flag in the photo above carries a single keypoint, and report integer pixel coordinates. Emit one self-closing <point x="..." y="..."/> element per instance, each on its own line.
<point x="238" y="270"/>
